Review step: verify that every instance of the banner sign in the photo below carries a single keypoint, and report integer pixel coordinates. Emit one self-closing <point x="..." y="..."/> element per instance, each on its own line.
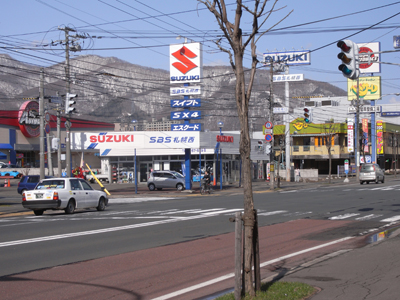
<point x="290" y="77"/>
<point x="350" y="135"/>
<point x="390" y="114"/>
<point x="379" y="135"/>
<point x="289" y="57"/>
<point x="184" y="115"/>
<point x="369" y="88"/>
<point x="365" y="109"/>
<point x="364" y="123"/>
<point x="186" y="127"/>
<point x="186" y="103"/>
<point x="188" y="90"/>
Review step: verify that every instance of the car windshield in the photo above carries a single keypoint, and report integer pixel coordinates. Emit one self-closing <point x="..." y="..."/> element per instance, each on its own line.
<point x="51" y="184"/>
<point x="179" y="175"/>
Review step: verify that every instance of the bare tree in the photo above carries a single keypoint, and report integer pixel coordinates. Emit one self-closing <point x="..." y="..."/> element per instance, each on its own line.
<point x="237" y="44"/>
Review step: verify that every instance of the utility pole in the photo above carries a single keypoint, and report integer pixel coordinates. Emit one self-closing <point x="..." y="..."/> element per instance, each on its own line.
<point x="356" y="133"/>
<point x="49" y="156"/>
<point x="59" y="139"/>
<point x="41" y="126"/>
<point x="287" y="129"/>
<point x="271" y="119"/>
<point x="75" y="47"/>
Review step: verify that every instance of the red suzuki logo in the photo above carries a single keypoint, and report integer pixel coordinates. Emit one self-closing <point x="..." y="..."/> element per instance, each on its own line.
<point x="185" y="64"/>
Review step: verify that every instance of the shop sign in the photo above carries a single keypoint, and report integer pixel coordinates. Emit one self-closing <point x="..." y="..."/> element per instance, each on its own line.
<point x="28" y="119"/>
<point x="225" y="138"/>
<point x="186" y="127"/>
<point x="184" y="115"/>
<point x="289" y="57"/>
<point x="186" y="63"/>
<point x="350" y="135"/>
<point x="185" y="91"/>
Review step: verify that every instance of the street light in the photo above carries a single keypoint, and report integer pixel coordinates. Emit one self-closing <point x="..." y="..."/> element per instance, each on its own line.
<point x="220" y="125"/>
<point x="134" y="122"/>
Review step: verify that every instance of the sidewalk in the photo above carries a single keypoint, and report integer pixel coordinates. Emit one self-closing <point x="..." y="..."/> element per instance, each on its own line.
<point x="370" y="272"/>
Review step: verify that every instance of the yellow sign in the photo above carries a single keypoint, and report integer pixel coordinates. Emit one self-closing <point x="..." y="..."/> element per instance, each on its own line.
<point x="369" y="88"/>
<point x="272" y="167"/>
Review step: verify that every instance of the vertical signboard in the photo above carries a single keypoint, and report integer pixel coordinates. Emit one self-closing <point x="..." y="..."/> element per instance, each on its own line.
<point x="369" y="88"/>
<point x="365" y="134"/>
<point x="186" y="64"/>
<point x="350" y="135"/>
<point x="379" y="135"/>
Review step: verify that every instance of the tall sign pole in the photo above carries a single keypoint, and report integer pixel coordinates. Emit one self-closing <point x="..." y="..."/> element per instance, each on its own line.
<point x="41" y="115"/>
<point x="271" y="119"/>
<point x="287" y="129"/>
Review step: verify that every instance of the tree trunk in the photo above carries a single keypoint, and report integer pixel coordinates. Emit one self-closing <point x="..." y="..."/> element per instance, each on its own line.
<point x="245" y="147"/>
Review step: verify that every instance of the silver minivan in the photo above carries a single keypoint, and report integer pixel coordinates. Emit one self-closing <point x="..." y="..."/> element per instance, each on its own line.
<point x="371" y="173"/>
<point x="166" y="179"/>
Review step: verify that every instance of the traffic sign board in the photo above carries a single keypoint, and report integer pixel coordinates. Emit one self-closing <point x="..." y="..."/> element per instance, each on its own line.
<point x="47" y="128"/>
<point x="268" y="137"/>
<point x="268" y="125"/>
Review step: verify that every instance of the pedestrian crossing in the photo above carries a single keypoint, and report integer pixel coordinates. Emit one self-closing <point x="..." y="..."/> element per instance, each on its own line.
<point x="194" y="213"/>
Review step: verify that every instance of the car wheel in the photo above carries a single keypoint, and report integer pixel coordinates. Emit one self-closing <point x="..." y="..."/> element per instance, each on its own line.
<point x="152" y="187"/>
<point x="38" y="212"/>
<point x="367" y="182"/>
<point x="361" y="182"/>
<point x="102" y="204"/>
<point x="70" y="207"/>
<point x="376" y="180"/>
<point x="383" y="179"/>
<point x="179" y="187"/>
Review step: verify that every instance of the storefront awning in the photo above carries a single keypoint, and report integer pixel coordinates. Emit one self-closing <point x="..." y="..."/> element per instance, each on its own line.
<point x="5" y="146"/>
<point x="2" y="155"/>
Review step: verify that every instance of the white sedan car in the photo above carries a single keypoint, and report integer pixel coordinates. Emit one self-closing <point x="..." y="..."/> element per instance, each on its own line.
<point x="63" y="193"/>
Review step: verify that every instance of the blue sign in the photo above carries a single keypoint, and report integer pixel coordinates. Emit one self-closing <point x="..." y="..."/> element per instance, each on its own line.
<point x="186" y="127"/>
<point x="184" y="115"/>
<point x="390" y="114"/>
<point x="186" y="103"/>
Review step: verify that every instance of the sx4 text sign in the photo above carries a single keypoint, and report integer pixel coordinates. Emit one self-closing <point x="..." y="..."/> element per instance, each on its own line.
<point x="365" y="109"/>
<point x="182" y="115"/>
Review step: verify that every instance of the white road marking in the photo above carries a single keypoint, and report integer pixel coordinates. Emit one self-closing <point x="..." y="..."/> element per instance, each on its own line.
<point x="231" y="275"/>
<point x="135" y="200"/>
<point x="341" y="217"/>
<point x="368" y="217"/>
<point x="392" y="219"/>
<point x="270" y="213"/>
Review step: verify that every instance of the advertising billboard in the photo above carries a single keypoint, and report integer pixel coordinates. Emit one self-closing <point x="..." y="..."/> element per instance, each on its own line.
<point x="288" y="57"/>
<point x="368" y="64"/>
<point x="369" y="88"/>
<point x="186" y="63"/>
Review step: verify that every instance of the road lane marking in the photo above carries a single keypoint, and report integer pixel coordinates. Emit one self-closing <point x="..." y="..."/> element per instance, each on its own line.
<point x="341" y="217"/>
<point x="368" y="217"/>
<point x="392" y="219"/>
<point x="271" y="213"/>
<point x="231" y="275"/>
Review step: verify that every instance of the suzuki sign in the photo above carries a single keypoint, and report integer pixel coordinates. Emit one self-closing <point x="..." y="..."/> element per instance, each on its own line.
<point x="186" y="63"/>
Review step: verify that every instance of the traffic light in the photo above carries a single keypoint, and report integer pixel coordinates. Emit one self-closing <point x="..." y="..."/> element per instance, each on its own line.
<point x="349" y="57"/>
<point x="69" y="102"/>
<point x="260" y="145"/>
<point x="307" y="114"/>
<point x="268" y="148"/>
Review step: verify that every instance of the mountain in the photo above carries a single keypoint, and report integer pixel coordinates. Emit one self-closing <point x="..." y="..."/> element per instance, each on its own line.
<point x="113" y="90"/>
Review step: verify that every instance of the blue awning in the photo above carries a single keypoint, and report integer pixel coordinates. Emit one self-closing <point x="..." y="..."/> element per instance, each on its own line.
<point x="6" y="146"/>
<point x="3" y="156"/>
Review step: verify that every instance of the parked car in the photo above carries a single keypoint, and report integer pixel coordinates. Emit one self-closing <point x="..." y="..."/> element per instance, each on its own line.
<point x="28" y="182"/>
<point x="165" y="179"/>
<point x="63" y="193"/>
<point x="371" y="173"/>
<point x="9" y="166"/>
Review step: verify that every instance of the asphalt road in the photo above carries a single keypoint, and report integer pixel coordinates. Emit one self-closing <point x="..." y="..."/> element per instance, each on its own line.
<point x="293" y="219"/>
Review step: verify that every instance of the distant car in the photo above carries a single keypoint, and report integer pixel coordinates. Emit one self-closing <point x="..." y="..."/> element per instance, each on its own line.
<point x="28" y="182"/>
<point x="165" y="179"/>
<point x="63" y="193"/>
<point x="9" y="166"/>
<point x="371" y="173"/>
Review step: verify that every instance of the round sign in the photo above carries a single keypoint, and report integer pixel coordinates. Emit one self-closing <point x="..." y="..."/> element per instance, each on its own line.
<point x="47" y="117"/>
<point x="268" y="137"/>
<point x="47" y="128"/>
<point x="268" y="125"/>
